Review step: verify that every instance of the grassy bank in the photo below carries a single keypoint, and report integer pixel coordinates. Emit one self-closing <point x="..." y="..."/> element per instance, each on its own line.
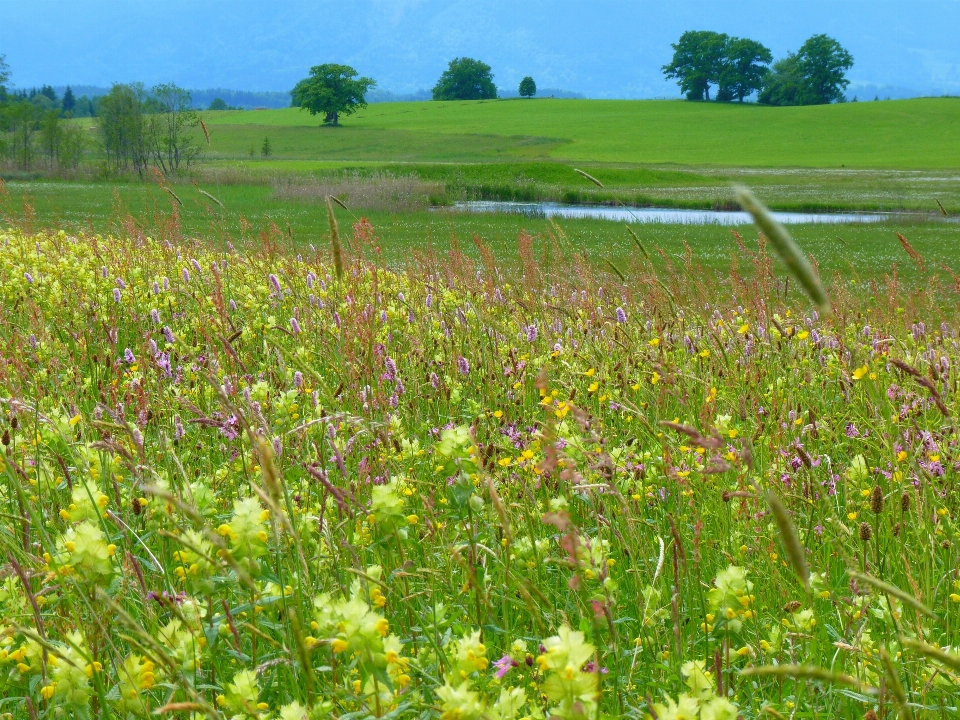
<point x="253" y="212"/>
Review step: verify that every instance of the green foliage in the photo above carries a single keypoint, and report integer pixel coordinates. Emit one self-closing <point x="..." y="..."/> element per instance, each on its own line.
<point x="265" y="148"/>
<point x="469" y="490"/>
<point x="218" y="104"/>
<point x="528" y="88"/>
<point x="122" y="128"/>
<point x="465" y="79"/>
<point x="69" y="102"/>
<point x="698" y="60"/>
<point x="4" y="77"/>
<point x="823" y="63"/>
<point x="815" y="75"/>
<point x="743" y="69"/>
<point x="138" y="129"/>
<point x="783" y="83"/>
<point x="332" y="90"/>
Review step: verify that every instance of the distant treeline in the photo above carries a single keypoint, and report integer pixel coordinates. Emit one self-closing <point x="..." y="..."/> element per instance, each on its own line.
<point x="136" y="129"/>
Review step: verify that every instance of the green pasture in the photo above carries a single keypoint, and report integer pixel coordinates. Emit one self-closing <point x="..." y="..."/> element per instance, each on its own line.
<point x="866" y="250"/>
<point x="907" y="134"/>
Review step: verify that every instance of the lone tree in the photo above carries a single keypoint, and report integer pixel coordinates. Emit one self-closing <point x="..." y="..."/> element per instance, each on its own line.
<point x="466" y="79"/>
<point x="743" y="69"/>
<point x="528" y="88"/>
<point x="333" y="90"/>
<point x="697" y="62"/>
<point x="815" y="75"/>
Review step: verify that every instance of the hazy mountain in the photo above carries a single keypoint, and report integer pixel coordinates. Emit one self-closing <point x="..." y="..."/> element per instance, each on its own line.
<point x="605" y="48"/>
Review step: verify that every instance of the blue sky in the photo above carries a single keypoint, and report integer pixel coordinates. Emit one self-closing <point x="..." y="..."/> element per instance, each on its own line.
<point x="603" y="48"/>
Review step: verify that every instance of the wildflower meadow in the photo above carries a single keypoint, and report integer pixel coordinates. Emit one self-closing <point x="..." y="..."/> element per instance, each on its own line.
<point x="271" y="480"/>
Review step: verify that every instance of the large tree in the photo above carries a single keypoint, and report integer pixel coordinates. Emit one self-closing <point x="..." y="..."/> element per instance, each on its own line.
<point x="332" y="90"/>
<point x="465" y="79"/>
<point x="697" y="62"/>
<point x="823" y="63"/>
<point x="528" y="88"/>
<point x="743" y="68"/>
<point x="782" y="84"/>
<point x="816" y="75"/>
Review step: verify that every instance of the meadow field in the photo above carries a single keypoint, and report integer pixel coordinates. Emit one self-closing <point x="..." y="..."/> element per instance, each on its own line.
<point x="267" y="455"/>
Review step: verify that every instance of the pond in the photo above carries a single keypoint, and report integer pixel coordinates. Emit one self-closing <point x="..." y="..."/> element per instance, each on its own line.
<point x="660" y="215"/>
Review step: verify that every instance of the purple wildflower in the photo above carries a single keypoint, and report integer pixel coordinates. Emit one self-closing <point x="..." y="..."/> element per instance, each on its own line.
<point x="196" y="265"/>
<point x="504" y="665"/>
<point x="464" y="365"/>
<point x="275" y="284"/>
<point x="186" y="275"/>
<point x="128" y="356"/>
<point x="168" y="334"/>
<point x="295" y="326"/>
<point x="121" y="284"/>
<point x="532" y="333"/>
<point x="298" y="379"/>
<point x="155" y="316"/>
<point x="116" y="295"/>
<point x="621" y="315"/>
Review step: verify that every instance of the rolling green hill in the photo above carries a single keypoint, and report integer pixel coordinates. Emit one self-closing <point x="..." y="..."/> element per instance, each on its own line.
<point x="906" y="134"/>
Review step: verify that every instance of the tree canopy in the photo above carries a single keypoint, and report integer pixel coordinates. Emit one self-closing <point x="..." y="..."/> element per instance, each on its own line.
<point x="742" y="69"/>
<point x="697" y="62"/>
<point x="332" y="90"/>
<point x="528" y="88"/>
<point x="815" y="75"/>
<point x="466" y="79"/>
<point x="739" y="67"/>
<point x="823" y="63"/>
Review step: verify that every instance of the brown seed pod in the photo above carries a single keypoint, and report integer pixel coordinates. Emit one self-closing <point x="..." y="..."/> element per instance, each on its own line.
<point x="866" y="532"/>
<point x="905" y="501"/>
<point x="792" y="606"/>
<point x="876" y="500"/>
<point x="870" y="715"/>
<point x="6" y="438"/>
